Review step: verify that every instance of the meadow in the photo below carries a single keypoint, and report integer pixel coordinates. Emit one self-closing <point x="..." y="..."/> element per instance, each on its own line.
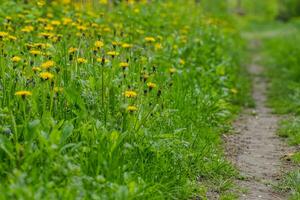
<point x="124" y="101"/>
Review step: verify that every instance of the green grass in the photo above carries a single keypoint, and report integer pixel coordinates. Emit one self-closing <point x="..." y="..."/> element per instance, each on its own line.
<point x="98" y="130"/>
<point x="290" y="129"/>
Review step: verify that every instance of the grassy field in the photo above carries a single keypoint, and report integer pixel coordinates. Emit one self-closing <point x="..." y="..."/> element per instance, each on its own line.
<point x="116" y="102"/>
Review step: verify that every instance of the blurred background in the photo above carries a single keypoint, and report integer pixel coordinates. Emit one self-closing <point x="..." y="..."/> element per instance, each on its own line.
<point x="283" y="10"/>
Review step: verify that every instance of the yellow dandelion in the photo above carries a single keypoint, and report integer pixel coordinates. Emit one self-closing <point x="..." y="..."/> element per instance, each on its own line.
<point x="35" y="52"/>
<point x="48" y="64"/>
<point x="55" y="23"/>
<point x="72" y="50"/>
<point x="23" y="93"/>
<point x="126" y="45"/>
<point x="12" y="38"/>
<point x="172" y="70"/>
<point x="150" y="39"/>
<point x="99" y="44"/>
<point x="46" y="35"/>
<point x="158" y="46"/>
<point x="81" y="60"/>
<point x="16" y="59"/>
<point x="123" y="65"/>
<point x="132" y="109"/>
<point x="112" y="53"/>
<point x="181" y="61"/>
<point x="100" y="60"/>
<point x="66" y="21"/>
<point x="81" y="28"/>
<point x="27" y="29"/>
<point x="3" y="34"/>
<point x="130" y="94"/>
<point x="115" y="43"/>
<point x="49" y="28"/>
<point x="46" y="76"/>
<point x="151" y="85"/>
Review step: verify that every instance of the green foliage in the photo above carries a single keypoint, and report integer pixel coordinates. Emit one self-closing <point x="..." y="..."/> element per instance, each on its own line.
<point x="290" y="129"/>
<point x="216" y="7"/>
<point x="264" y="10"/>
<point x="289" y="9"/>
<point x="292" y="183"/>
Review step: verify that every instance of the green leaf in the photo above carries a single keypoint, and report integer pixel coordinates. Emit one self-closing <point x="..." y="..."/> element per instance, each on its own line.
<point x="66" y="132"/>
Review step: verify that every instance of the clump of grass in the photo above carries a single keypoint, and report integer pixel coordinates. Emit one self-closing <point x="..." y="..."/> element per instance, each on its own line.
<point x="290" y="129"/>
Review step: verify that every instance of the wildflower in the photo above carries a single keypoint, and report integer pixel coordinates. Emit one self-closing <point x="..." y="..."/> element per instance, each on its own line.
<point x="181" y="61"/>
<point x="66" y="21"/>
<point x="99" y="44"/>
<point x="12" y="38"/>
<point x="172" y="70"/>
<point x="81" y="60"/>
<point x="102" y="60"/>
<point x="158" y="46"/>
<point x="124" y="65"/>
<point x="151" y="85"/>
<point x="35" y="52"/>
<point x="112" y="53"/>
<point x="126" y="46"/>
<point x="130" y="94"/>
<point x="46" y="76"/>
<point x="132" y="109"/>
<point x="55" y="23"/>
<point x="16" y="59"/>
<point x="23" y="93"/>
<point x="48" y="28"/>
<point x="27" y="29"/>
<point x="72" y="50"/>
<point x="116" y="43"/>
<point x="41" y="3"/>
<point x="3" y="34"/>
<point x="150" y="39"/>
<point x="46" y="35"/>
<point x="48" y="64"/>
<point x="81" y="28"/>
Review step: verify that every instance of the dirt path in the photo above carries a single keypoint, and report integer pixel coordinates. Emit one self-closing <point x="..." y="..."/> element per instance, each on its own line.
<point x="256" y="150"/>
